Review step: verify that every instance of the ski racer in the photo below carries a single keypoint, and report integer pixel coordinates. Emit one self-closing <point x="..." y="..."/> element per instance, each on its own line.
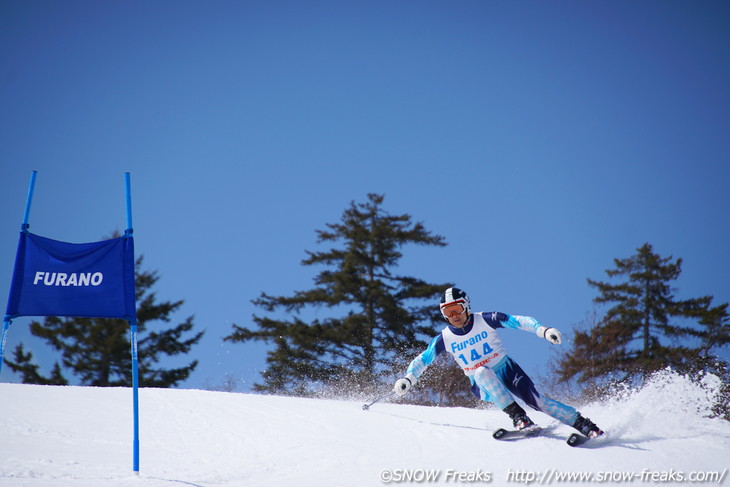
<point x="473" y="341"/>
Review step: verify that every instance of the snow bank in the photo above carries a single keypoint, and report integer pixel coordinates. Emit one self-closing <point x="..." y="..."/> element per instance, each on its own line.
<point x="81" y="437"/>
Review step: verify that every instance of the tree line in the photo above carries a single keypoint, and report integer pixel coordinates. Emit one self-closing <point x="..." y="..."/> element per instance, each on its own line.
<point x="377" y="319"/>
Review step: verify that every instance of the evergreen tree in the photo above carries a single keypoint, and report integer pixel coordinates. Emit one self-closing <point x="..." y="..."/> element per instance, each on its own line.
<point x="647" y="328"/>
<point x="377" y="319"/>
<point x="28" y="370"/>
<point x="716" y="323"/>
<point x="98" y="350"/>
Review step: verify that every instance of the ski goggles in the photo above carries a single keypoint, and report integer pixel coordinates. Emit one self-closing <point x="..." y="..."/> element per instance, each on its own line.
<point x="453" y="308"/>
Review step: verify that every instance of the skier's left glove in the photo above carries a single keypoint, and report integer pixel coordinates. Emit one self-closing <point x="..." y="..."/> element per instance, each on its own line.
<point x="550" y="334"/>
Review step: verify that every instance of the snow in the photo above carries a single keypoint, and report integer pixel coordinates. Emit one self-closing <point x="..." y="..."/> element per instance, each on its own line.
<point x="82" y="437"/>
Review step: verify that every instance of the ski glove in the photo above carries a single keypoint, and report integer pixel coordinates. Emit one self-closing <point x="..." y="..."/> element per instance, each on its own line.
<point x="403" y="385"/>
<point x="550" y="334"/>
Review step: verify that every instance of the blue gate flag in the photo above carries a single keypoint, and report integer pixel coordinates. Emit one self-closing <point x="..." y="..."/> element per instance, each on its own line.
<point x="89" y="280"/>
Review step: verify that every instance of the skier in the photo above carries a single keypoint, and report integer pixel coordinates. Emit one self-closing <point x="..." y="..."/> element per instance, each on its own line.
<point x="473" y="341"/>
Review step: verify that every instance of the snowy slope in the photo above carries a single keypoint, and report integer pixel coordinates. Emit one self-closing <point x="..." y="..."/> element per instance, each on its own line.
<point x="81" y="437"/>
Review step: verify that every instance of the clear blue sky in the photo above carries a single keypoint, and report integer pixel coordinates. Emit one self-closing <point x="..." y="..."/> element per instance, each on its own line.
<point x="541" y="139"/>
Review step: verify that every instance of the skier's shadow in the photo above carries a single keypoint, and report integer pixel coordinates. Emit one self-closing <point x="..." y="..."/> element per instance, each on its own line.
<point x="546" y="432"/>
<point x="177" y="481"/>
<point x="434" y="423"/>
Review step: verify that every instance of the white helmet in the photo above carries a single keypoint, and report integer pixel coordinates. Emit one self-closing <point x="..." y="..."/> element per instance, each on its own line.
<point x="454" y="295"/>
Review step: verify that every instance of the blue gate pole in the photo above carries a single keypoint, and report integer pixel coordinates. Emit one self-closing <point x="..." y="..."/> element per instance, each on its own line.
<point x="6" y="326"/>
<point x="135" y="397"/>
<point x="28" y="200"/>
<point x="23" y="228"/>
<point x="133" y="341"/>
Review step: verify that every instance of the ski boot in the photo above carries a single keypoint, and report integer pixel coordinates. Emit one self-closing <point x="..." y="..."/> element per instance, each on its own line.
<point x="520" y="420"/>
<point x="587" y="427"/>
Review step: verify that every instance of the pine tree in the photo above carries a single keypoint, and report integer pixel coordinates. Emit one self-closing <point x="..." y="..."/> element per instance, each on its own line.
<point x="716" y="323"/>
<point x="377" y="320"/>
<point x="28" y="370"/>
<point x="97" y="350"/>
<point x="647" y="328"/>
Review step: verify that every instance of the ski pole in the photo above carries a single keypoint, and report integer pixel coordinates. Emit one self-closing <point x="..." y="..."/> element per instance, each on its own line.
<point x="365" y="407"/>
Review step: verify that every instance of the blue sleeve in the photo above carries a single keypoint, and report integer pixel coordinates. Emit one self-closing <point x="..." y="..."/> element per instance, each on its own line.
<point x="524" y="323"/>
<point x="516" y="322"/>
<point x="426" y="358"/>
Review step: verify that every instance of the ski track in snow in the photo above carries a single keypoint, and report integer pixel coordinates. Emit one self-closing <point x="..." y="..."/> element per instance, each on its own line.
<point x="82" y="437"/>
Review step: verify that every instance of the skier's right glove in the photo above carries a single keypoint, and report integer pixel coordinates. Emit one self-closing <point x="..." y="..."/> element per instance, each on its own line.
<point x="403" y="385"/>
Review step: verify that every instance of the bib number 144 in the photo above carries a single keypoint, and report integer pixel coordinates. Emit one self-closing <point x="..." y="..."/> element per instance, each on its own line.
<point x="475" y="355"/>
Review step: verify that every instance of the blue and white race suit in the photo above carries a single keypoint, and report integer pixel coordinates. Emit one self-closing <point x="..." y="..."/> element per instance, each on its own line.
<point x="494" y="376"/>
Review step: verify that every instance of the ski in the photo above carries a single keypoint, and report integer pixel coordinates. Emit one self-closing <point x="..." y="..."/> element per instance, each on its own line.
<point x="576" y="439"/>
<point x="507" y="435"/>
